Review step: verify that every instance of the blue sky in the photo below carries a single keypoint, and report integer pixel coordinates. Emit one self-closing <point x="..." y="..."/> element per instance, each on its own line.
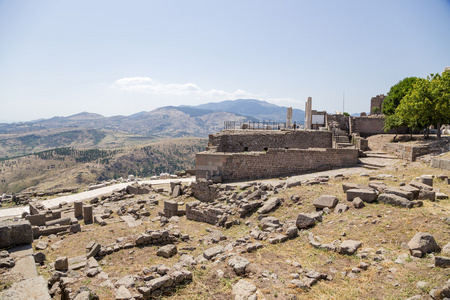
<point x="122" y="57"/>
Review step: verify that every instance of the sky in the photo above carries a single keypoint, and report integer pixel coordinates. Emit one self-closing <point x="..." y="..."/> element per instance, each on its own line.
<point x="59" y="58"/>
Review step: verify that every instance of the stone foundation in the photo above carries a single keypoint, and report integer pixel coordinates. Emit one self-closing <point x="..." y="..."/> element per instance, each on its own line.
<point x="406" y="152"/>
<point x="272" y="163"/>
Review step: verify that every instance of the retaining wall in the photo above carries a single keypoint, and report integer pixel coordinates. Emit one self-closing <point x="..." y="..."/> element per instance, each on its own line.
<point x="273" y="163"/>
<point x="259" y="140"/>
<point x="406" y="152"/>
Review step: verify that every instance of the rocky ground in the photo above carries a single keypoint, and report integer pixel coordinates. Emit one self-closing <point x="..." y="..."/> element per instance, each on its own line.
<point x="280" y="239"/>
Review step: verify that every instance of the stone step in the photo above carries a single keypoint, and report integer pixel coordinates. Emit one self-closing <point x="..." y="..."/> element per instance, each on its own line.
<point x="369" y="167"/>
<point x="387" y="156"/>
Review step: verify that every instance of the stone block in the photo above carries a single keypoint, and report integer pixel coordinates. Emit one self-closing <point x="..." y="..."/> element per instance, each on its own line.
<point x="61" y="264"/>
<point x="442" y="261"/>
<point x="325" y="201"/>
<point x="395" y="200"/>
<point x="340" y="208"/>
<point x="88" y="214"/>
<point x="15" y="233"/>
<point x="427" y="180"/>
<point x="365" y="195"/>
<point x="61" y="221"/>
<point x="78" y="209"/>
<point x="167" y="251"/>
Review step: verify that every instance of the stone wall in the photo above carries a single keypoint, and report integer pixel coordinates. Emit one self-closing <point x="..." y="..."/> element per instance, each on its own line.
<point x="406" y="152"/>
<point x="260" y="140"/>
<point x="440" y="163"/>
<point x="273" y="163"/>
<point x="370" y="125"/>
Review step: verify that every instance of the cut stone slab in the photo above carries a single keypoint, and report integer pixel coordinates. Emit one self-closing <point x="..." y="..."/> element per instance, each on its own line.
<point x="349" y="186"/>
<point x="325" y="201"/>
<point x="270" y="205"/>
<point x="278" y="238"/>
<point x="365" y="195"/>
<point x="348" y="247"/>
<point x="409" y="188"/>
<point x="61" y="264"/>
<point x="442" y="261"/>
<point x="25" y="267"/>
<point x="441" y="196"/>
<point x="340" y="208"/>
<point x="305" y="220"/>
<point x="423" y="242"/>
<point x="126" y="281"/>
<point x="41" y="245"/>
<point x="395" y="200"/>
<point x="358" y="203"/>
<point x="446" y="249"/>
<point x="243" y="289"/>
<point x="122" y="293"/>
<point x="427" y="195"/>
<point x="399" y="192"/>
<point x="292" y="183"/>
<point x="93" y="251"/>
<point x="420" y="185"/>
<point x="427" y="180"/>
<point x="131" y="222"/>
<point x="167" y="251"/>
<point x="211" y="252"/>
<point x="31" y="289"/>
<point x="238" y="264"/>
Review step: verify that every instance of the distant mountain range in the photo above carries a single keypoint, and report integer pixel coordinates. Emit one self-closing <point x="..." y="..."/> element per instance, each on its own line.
<point x="261" y="110"/>
<point x="169" y="121"/>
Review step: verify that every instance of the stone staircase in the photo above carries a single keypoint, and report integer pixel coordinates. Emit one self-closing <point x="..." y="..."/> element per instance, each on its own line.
<point x="341" y="140"/>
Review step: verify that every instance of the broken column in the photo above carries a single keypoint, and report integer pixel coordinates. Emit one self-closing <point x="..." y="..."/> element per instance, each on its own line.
<point x="78" y="209"/>
<point x="308" y="115"/>
<point x="88" y="214"/>
<point x="289" y="117"/>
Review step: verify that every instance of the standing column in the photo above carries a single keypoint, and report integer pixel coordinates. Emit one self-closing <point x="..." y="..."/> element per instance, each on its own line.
<point x="78" y="209"/>
<point x="88" y="214"/>
<point x="289" y="117"/>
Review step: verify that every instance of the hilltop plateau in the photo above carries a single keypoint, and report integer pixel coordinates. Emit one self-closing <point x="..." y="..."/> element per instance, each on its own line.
<point x="310" y="236"/>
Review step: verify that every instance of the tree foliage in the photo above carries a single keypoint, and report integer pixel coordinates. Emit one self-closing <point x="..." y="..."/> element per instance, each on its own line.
<point x="396" y="93"/>
<point x="427" y="103"/>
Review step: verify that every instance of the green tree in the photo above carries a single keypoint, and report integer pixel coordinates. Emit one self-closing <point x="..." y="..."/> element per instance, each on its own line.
<point x="396" y="94"/>
<point x="427" y="103"/>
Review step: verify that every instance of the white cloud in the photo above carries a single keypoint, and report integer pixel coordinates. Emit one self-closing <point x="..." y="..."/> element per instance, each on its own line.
<point x="147" y="85"/>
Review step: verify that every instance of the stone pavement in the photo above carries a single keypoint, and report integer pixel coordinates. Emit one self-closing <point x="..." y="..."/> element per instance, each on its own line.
<point x="17" y="211"/>
<point x="31" y="286"/>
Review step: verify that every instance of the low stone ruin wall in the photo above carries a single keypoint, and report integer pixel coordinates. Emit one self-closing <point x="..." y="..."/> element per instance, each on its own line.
<point x="273" y="163"/>
<point x="259" y="140"/>
<point x="406" y="152"/>
<point x="201" y="212"/>
<point x="204" y="191"/>
<point x="440" y="163"/>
